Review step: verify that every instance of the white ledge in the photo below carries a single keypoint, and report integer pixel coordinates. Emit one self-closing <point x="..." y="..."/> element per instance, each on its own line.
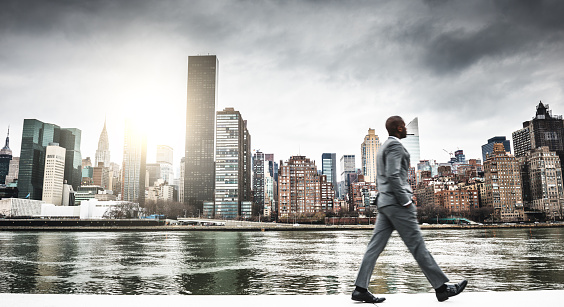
<point x="465" y="299"/>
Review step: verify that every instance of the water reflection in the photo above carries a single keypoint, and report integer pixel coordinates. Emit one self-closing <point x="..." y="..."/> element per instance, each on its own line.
<point x="270" y="262"/>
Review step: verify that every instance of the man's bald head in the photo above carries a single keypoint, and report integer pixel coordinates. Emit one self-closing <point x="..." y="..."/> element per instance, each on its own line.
<point x="396" y="127"/>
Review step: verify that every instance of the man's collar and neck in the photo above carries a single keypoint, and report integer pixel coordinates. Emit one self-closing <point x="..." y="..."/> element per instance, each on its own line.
<point x="399" y="134"/>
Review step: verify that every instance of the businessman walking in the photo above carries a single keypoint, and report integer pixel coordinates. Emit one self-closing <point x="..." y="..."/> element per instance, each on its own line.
<point x="397" y="212"/>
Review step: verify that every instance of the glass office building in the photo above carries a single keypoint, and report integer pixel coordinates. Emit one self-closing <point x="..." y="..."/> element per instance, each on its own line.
<point x="199" y="172"/>
<point x="36" y="136"/>
<point x="233" y="166"/>
<point x="411" y="142"/>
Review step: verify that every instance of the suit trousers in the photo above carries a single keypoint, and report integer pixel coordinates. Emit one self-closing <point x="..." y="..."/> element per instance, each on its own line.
<point x="404" y="220"/>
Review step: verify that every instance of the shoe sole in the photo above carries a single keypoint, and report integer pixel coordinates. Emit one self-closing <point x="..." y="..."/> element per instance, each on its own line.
<point x="379" y="300"/>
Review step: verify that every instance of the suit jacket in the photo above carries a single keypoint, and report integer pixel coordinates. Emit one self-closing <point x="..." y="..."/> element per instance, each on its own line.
<point x="392" y="164"/>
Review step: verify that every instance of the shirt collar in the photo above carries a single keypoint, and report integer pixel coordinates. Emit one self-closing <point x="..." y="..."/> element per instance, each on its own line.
<point x="393" y="137"/>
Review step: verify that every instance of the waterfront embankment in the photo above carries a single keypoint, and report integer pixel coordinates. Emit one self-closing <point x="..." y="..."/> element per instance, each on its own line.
<point x="127" y="225"/>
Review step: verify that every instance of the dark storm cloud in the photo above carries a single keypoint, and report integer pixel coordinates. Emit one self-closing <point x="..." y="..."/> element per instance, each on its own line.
<point x="41" y="17"/>
<point x="438" y="57"/>
<point x="433" y="35"/>
<point x="514" y="28"/>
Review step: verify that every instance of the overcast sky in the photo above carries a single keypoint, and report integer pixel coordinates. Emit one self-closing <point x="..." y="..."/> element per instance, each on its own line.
<point x="308" y="76"/>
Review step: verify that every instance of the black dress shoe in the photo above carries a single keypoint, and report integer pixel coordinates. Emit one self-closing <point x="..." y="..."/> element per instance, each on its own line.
<point x="451" y="290"/>
<point x="366" y="297"/>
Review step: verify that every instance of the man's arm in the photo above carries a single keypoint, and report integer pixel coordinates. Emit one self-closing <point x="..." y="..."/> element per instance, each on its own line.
<point x="394" y="156"/>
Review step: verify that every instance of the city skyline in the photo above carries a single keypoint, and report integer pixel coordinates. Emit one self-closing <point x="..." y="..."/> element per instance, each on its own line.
<point x="467" y="71"/>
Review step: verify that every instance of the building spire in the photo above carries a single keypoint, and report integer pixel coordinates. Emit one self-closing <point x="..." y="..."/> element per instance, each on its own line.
<point x="7" y="146"/>
<point x="103" y="151"/>
<point x="6" y="149"/>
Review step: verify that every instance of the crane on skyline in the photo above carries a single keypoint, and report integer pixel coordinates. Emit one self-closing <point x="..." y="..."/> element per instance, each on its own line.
<point x="450" y="153"/>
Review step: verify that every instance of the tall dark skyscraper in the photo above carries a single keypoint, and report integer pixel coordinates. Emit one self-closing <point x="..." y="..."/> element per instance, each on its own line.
<point x="488" y="148"/>
<point x="5" y="158"/>
<point x="134" y="164"/>
<point x="36" y="136"/>
<point x="199" y="173"/>
<point x="544" y="129"/>
<point x="70" y="140"/>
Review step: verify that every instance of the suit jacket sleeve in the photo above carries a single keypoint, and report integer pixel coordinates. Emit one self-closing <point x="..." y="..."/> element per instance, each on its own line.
<point x="394" y="158"/>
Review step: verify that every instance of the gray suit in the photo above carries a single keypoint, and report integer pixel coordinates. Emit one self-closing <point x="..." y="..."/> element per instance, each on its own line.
<point x="393" y="193"/>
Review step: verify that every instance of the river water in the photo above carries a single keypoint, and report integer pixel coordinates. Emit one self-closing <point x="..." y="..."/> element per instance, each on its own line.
<point x="310" y="262"/>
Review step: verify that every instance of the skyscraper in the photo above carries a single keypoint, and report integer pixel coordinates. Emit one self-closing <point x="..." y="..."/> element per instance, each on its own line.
<point x="101" y="177"/>
<point x="329" y="168"/>
<point x="542" y="183"/>
<point x="411" y="142"/>
<point x="181" y="180"/>
<point x="544" y="129"/>
<point x="348" y="165"/>
<point x="369" y="150"/>
<point x="199" y="177"/>
<point x="36" y="136"/>
<point x="503" y="185"/>
<point x="70" y="140"/>
<point x="13" y="170"/>
<point x="259" y="172"/>
<point x="521" y="141"/>
<point x="272" y="166"/>
<point x="165" y="159"/>
<point x="233" y="165"/>
<point x="103" y="151"/>
<point x="488" y="148"/>
<point x="5" y="158"/>
<point x="459" y="156"/>
<point x="153" y="171"/>
<point x="271" y="184"/>
<point x="54" y="174"/>
<point x="134" y="164"/>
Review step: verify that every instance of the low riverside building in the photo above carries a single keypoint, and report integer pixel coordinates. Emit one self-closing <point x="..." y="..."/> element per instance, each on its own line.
<point x="19" y="207"/>
<point x="88" y="209"/>
<point x="458" y="201"/>
<point x="87" y="192"/>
